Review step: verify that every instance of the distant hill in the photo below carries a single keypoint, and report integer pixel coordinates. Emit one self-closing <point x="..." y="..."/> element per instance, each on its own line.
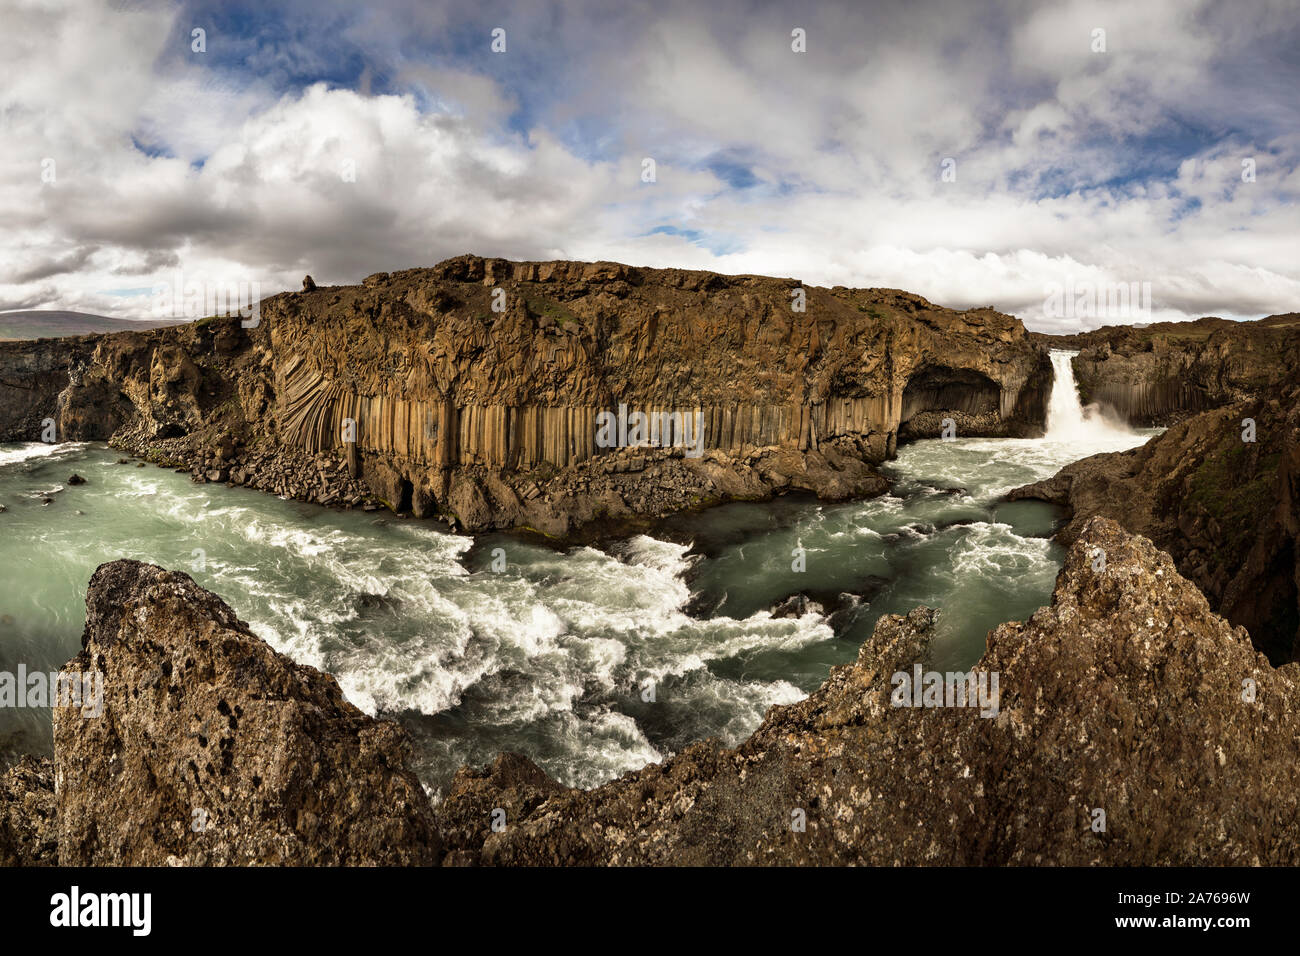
<point x="53" y="324"/>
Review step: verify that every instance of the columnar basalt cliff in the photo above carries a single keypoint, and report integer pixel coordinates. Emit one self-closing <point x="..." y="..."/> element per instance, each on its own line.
<point x="1126" y="695"/>
<point x="1159" y="374"/>
<point x="474" y="389"/>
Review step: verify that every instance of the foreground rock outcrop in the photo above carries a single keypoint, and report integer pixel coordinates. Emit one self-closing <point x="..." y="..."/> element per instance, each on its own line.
<point x="211" y="749"/>
<point x="474" y="390"/>
<point x="1135" y="727"/>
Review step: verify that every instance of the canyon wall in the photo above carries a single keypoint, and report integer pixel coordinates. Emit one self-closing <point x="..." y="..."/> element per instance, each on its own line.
<point x="475" y="388"/>
<point x="1159" y="374"/>
<point x="33" y="374"/>
<point x="1218" y="492"/>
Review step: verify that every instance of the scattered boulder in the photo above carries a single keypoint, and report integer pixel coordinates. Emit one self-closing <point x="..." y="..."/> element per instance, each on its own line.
<point x="469" y="504"/>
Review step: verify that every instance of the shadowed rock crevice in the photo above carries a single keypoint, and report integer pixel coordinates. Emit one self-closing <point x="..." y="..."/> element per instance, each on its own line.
<point x="970" y="400"/>
<point x="936" y="388"/>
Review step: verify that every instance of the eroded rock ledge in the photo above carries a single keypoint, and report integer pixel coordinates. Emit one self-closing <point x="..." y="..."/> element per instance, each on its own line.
<point x="1126" y="695"/>
<point x="472" y="389"/>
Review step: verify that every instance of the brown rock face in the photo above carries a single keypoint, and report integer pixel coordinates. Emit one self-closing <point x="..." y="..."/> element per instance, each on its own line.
<point x="211" y="748"/>
<point x="1159" y="374"/>
<point x="1224" y="508"/>
<point x="507" y="364"/>
<point x="32" y="374"/>
<point x="1133" y="727"/>
<point x="28" y="815"/>
<point x="475" y="389"/>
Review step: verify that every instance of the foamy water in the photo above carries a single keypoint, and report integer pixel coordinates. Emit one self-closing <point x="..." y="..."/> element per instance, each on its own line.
<point x="1071" y="422"/>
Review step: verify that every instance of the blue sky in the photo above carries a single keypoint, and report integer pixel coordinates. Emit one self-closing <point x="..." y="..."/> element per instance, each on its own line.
<point x="341" y="139"/>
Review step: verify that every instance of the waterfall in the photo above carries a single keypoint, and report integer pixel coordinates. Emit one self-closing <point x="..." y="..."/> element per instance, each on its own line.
<point x="1067" y="419"/>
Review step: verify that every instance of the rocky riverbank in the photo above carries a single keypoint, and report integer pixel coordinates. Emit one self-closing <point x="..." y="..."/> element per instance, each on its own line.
<point x="475" y="390"/>
<point x="1129" y="725"/>
<point x="1218" y="492"/>
<point x="211" y="749"/>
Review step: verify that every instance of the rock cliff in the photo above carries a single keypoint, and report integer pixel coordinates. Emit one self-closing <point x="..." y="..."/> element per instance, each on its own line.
<point x="1219" y="492"/>
<point x="1128" y="725"/>
<point x="474" y="389"/>
<point x="33" y="375"/>
<point x="1159" y="374"/>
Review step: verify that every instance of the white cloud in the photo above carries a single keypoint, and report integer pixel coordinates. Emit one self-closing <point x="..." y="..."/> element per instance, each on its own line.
<point x="1052" y="147"/>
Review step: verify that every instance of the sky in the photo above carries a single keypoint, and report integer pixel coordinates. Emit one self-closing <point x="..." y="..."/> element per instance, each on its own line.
<point x="1033" y="157"/>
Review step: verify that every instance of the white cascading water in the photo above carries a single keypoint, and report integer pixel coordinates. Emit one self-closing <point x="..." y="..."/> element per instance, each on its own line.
<point x="1067" y="419"/>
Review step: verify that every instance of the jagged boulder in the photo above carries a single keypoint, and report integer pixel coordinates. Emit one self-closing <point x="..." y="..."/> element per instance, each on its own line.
<point x="1133" y="727"/>
<point x="212" y="748"/>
